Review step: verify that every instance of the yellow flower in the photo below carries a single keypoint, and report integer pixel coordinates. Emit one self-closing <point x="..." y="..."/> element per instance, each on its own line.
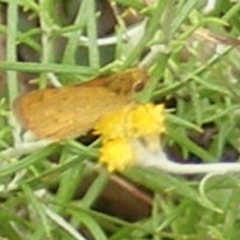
<point x="147" y="119"/>
<point x="120" y="129"/>
<point x="133" y="120"/>
<point x="117" y="154"/>
<point x="114" y="125"/>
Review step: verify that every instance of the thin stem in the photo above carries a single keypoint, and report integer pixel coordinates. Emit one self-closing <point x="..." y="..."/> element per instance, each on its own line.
<point x="160" y="161"/>
<point x="12" y="16"/>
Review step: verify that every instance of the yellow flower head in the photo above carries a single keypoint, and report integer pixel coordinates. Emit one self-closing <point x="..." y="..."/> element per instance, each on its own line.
<point x="113" y="125"/>
<point x="116" y="154"/>
<point x="134" y="122"/>
<point x="147" y="119"/>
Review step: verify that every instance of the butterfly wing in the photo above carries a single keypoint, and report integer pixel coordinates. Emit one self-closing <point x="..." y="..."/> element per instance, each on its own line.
<point x="66" y="112"/>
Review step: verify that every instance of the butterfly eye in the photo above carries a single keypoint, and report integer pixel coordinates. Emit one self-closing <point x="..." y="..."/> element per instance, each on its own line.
<point x="138" y="86"/>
